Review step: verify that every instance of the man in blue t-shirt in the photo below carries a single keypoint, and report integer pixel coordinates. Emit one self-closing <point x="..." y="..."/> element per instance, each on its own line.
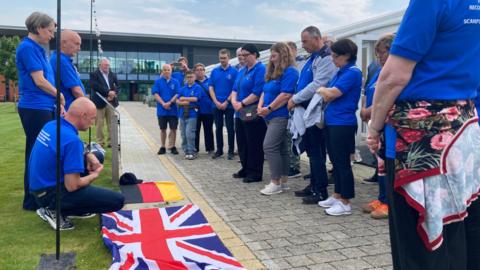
<point x="178" y="70"/>
<point x="222" y="79"/>
<point x="205" y="111"/>
<point x="165" y="91"/>
<point x="78" y="197"/>
<point x="71" y="85"/>
<point x="187" y="101"/>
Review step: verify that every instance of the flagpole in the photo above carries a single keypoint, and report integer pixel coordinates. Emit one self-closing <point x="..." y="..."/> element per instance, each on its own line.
<point x="90" y="68"/>
<point x="58" y="111"/>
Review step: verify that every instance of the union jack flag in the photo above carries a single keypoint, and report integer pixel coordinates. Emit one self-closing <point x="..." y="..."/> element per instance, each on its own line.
<point x="164" y="238"/>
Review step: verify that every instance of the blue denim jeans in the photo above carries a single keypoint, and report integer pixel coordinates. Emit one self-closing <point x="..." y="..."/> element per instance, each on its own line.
<point x="89" y="199"/>
<point x="187" y="128"/>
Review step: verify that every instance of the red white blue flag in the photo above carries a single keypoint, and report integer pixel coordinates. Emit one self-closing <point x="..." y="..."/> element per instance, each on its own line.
<point x="164" y="238"/>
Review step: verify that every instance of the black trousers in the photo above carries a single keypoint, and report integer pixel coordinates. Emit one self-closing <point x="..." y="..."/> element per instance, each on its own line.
<point x="219" y="115"/>
<point x="314" y="142"/>
<point x="207" y="121"/>
<point x="32" y="121"/>
<point x="340" y="141"/>
<point x="250" y="136"/>
<point x="460" y="249"/>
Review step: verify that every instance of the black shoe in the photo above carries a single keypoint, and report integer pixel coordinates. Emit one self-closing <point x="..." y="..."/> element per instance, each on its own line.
<point x="230" y="156"/>
<point x="294" y="173"/>
<point x="251" y="180"/>
<point x="238" y="175"/>
<point x="304" y="192"/>
<point x="161" y="151"/>
<point x="174" y="151"/>
<point x="370" y="181"/>
<point x="313" y="199"/>
<point x="217" y="155"/>
<point x="65" y="224"/>
<point x="307" y="176"/>
<point x="82" y="216"/>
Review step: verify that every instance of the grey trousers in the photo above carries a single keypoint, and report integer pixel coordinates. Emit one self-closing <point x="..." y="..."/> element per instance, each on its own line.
<point x="275" y="147"/>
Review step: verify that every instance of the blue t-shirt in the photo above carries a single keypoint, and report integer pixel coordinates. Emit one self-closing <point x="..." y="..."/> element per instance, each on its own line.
<point x="370" y="88"/>
<point x="189" y="91"/>
<point x="32" y="57"/>
<point x="70" y="76"/>
<point x="179" y="76"/>
<point x="442" y="36"/>
<point x="222" y="81"/>
<point x="205" y="103"/>
<point x="249" y="81"/>
<point x="42" y="163"/>
<point x="306" y="75"/>
<point x="285" y="84"/>
<point x="341" y="111"/>
<point x="166" y="90"/>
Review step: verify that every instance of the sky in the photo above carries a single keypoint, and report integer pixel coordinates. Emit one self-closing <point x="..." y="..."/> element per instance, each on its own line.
<point x="271" y="20"/>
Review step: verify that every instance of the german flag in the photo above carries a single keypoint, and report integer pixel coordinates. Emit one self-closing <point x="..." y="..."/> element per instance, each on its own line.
<point x="151" y="192"/>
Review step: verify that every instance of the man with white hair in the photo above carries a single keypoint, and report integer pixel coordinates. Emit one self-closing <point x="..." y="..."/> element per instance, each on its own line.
<point x="104" y="83"/>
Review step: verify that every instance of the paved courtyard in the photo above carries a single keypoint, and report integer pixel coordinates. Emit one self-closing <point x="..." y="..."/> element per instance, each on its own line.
<point x="272" y="232"/>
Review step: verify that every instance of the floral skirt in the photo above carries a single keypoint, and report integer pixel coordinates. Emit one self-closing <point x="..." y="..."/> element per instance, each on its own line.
<point x="437" y="161"/>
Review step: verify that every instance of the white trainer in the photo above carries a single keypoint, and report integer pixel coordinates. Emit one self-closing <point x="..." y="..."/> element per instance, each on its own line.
<point x="271" y="189"/>
<point x="339" y="209"/>
<point x="329" y="202"/>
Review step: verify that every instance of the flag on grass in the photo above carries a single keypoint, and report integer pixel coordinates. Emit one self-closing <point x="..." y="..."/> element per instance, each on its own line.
<point x="164" y="238"/>
<point x="151" y="192"/>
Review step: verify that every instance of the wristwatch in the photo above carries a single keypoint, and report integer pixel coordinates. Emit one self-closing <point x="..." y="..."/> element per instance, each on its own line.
<point x="269" y="108"/>
<point x="243" y="104"/>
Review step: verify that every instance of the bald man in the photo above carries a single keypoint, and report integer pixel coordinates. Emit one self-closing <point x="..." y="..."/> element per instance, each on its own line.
<point x="79" y="197"/>
<point x="71" y="87"/>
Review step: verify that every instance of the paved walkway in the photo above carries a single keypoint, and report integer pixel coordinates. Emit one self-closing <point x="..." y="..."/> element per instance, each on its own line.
<point x="275" y="232"/>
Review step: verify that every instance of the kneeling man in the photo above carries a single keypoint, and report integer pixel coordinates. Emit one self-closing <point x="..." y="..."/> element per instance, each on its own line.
<point x="78" y="197"/>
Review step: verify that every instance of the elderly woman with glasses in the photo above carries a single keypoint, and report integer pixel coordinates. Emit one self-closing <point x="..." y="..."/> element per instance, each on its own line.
<point x="342" y="96"/>
<point x="36" y="87"/>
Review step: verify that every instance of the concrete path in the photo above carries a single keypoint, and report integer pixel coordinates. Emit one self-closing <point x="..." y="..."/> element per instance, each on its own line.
<point x="275" y="232"/>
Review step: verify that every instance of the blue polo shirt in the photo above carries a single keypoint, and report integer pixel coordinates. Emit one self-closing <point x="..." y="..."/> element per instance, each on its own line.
<point x="222" y="80"/>
<point x="42" y="163"/>
<point x="70" y="76"/>
<point x="166" y="90"/>
<point x="179" y="76"/>
<point x="442" y="36"/>
<point x="189" y="91"/>
<point x="341" y="111"/>
<point x="30" y="57"/>
<point x="250" y="81"/>
<point x="285" y="84"/>
<point x="370" y="88"/>
<point x="205" y="103"/>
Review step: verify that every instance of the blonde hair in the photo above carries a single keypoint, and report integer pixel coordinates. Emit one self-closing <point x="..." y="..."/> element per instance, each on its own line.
<point x="385" y="41"/>
<point x="285" y="60"/>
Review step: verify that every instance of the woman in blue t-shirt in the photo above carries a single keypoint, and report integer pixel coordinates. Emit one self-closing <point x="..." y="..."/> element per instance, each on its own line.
<point x="426" y="94"/>
<point x="280" y="81"/>
<point x="342" y="96"/>
<point x="249" y="129"/>
<point x="36" y="86"/>
<point x="377" y="208"/>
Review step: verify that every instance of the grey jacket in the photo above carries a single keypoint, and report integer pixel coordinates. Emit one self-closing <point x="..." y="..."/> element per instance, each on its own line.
<point x="323" y="71"/>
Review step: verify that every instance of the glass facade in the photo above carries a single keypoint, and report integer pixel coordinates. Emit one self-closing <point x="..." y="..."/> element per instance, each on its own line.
<point x="136" y="71"/>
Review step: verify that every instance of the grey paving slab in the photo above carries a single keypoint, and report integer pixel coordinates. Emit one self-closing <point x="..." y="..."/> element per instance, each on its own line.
<point x="282" y="232"/>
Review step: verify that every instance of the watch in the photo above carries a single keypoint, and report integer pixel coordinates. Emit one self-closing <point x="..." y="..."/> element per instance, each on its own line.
<point x="269" y="108"/>
<point x="243" y="104"/>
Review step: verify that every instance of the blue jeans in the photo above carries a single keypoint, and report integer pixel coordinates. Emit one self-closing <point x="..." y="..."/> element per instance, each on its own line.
<point x="188" y="127"/>
<point x="89" y="199"/>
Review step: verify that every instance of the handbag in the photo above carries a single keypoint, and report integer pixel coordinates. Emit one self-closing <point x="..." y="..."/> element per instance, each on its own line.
<point x="248" y="113"/>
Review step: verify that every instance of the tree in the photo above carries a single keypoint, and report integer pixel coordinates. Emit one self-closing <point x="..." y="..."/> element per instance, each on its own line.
<point x="8" y="69"/>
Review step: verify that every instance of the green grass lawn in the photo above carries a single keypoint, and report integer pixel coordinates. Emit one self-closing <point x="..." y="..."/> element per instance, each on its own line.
<point x="23" y="235"/>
